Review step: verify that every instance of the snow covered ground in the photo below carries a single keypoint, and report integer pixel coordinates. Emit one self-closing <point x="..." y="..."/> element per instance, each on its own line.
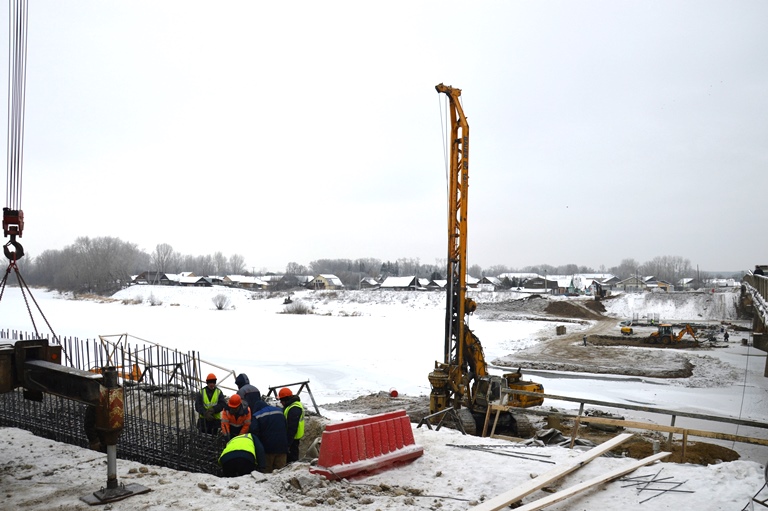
<point x="363" y="342"/>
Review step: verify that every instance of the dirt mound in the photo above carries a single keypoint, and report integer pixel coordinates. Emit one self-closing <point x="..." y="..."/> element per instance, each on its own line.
<point x="416" y="407"/>
<point x="595" y="306"/>
<point x="565" y="309"/>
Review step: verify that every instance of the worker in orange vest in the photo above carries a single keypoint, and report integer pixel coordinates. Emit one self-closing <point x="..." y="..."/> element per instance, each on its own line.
<point x="236" y="418"/>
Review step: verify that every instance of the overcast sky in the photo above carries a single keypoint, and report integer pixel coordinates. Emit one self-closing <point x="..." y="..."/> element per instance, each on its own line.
<point x="599" y="130"/>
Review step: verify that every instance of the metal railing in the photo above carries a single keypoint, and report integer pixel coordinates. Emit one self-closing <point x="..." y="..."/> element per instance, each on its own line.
<point x="672" y="414"/>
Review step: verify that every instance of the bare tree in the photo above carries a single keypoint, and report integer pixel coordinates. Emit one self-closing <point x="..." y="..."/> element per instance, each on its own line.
<point x="220" y="301"/>
<point x="162" y="257"/>
<point x="295" y="269"/>
<point x="475" y="271"/>
<point x="626" y="268"/>
<point x="205" y="265"/>
<point x="497" y="270"/>
<point x="220" y="264"/>
<point x="236" y="264"/>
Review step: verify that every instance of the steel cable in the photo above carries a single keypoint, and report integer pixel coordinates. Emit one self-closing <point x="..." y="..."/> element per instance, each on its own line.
<point x="17" y="78"/>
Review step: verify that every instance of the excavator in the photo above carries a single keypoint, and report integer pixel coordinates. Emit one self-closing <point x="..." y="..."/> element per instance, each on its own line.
<point x="461" y="381"/>
<point x="666" y="335"/>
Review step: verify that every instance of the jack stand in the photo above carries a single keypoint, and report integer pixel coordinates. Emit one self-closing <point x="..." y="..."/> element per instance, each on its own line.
<point x="109" y="420"/>
<point x="114" y="491"/>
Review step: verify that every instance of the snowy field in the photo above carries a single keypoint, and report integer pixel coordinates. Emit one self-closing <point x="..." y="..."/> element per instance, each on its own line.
<point x="362" y="342"/>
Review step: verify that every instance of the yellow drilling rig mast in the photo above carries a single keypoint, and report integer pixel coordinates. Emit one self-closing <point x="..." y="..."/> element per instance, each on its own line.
<point x="461" y="380"/>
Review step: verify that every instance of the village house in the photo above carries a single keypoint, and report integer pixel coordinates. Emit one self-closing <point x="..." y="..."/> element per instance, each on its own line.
<point x="153" y="277"/>
<point x="633" y="284"/>
<point x="246" y="282"/>
<point x="369" y="283"/>
<point x="489" y="284"/>
<point x="327" y="281"/>
<point x="194" y="281"/>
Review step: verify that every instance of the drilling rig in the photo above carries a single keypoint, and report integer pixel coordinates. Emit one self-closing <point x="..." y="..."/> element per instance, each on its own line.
<point x="461" y="381"/>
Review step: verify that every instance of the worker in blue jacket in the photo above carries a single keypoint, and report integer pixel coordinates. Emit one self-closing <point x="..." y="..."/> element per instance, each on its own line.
<point x="247" y="392"/>
<point x="268" y="425"/>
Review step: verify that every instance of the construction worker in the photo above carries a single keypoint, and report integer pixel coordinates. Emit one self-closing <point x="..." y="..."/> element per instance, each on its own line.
<point x="246" y="391"/>
<point x="294" y="418"/>
<point x="242" y="455"/>
<point x="269" y="425"/>
<point x="208" y="404"/>
<point x="236" y="418"/>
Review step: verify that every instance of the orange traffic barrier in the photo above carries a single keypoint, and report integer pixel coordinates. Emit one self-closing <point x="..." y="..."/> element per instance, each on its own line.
<point x="350" y="447"/>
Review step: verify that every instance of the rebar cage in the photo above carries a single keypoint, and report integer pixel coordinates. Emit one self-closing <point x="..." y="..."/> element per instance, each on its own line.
<point x="160" y="389"/>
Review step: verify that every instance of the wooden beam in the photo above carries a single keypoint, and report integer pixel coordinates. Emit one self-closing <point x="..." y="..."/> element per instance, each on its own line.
<point x="503" y="500"/>
<point x="676" y="429"/>
<point x="573" y="490"/>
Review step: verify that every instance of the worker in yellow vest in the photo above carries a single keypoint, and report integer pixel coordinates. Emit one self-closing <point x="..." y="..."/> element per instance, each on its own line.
<point x="294" y="418"/>
<point x="242" y="455"/>
<point x="209" y="403"/>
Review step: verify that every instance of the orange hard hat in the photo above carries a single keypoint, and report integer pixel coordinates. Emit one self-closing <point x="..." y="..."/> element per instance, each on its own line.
<point x="211" y="377"/>
<point x="234" y="401"/>
<point x="284" y="392"/>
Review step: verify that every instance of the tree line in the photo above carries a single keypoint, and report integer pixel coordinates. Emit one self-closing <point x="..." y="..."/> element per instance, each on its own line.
<point x="106" y="264"/>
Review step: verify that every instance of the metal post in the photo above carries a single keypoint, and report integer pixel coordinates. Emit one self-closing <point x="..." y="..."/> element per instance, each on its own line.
<point x="669" y="440"/>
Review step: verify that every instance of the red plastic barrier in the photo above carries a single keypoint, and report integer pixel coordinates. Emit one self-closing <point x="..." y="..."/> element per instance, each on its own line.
<point x="362" y="445"/>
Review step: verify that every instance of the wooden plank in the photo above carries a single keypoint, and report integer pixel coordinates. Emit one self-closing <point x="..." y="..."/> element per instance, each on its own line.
<point x="485" y="424"/>
<point x="573" y="490"/>
<point x="503" y="500"/>
<point x="675" y="429"/>
<point x="632" y="424"/>
<point x="727" y="436"/>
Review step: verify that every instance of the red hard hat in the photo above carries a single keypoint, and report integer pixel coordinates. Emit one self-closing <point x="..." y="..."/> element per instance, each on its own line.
<point x="234" y="401"/>
<point x="284" y="392"/>
<point x="211" y="377"/>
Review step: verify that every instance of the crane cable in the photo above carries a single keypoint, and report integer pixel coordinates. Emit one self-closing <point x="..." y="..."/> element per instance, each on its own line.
<point x="17" y="79"/>
<point x="18" y="16"/>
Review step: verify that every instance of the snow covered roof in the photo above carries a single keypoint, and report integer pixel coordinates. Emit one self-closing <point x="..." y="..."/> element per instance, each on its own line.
<point x="190" y="280"/>
<point x="517" y="275"/>
<point x="333" y="279"/>
<point x="243" y="279"/>
<point x="399" y="282"/>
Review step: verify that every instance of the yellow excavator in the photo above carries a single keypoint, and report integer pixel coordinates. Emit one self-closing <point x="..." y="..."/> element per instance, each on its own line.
<point x="461" y="381"/>
<point x="666" y="335"/>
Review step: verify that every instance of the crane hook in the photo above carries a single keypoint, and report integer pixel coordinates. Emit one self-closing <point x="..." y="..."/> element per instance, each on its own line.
<point x="18" y="252"/>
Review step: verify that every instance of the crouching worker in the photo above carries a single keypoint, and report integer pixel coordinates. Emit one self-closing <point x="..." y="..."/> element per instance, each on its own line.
<point x="242" y="455"/>
<point x="236" y="418"/>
